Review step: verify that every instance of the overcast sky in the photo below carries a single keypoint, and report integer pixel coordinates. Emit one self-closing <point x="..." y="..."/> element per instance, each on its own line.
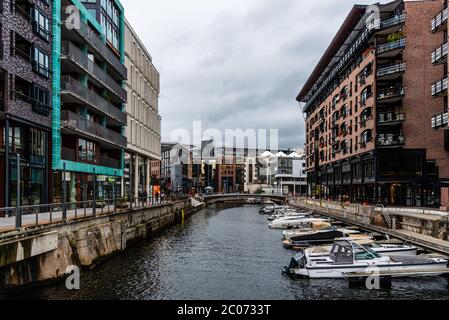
<point x="235" y="63"/>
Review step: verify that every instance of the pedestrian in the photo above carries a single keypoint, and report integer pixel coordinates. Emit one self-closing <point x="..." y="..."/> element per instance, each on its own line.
<point x="157" y="197"/>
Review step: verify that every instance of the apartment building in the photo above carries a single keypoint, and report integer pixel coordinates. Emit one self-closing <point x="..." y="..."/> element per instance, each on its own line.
<point x="88" y="117"/>
<point x="25" y="104"/>
<point x="369" y="104"/>
<point x="143" y="131"/>
<point x="439" y="58"/>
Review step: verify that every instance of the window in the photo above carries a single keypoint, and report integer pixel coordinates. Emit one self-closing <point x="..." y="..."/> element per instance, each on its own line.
<point x="366" y="93"/>
<point x="41" y="24"/>
<point x="86" y="150"/>
<point x="41" y="103"/>
<point x="366" y="137"/>
<point x="40" y="62"/>
<point x="38" y="142"/>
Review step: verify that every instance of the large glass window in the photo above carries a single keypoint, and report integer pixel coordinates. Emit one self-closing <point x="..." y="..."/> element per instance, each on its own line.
<point x="41" y="24"/>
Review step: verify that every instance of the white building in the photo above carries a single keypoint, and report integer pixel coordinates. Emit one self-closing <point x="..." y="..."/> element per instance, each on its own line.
<point x="144" y="122"/>
<point x="281" y="173"/>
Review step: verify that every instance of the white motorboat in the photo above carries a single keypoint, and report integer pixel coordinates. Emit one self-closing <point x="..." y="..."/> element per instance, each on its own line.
<point x="349" y="259"/>
<point x="383" y="249"/>
<point x="293" y="222"/>
<point x="289" y="214"/>
<point x="271" y="209"/>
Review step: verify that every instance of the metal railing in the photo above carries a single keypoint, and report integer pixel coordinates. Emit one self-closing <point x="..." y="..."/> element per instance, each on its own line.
<point x="440" y="120"/>
<point x="386" y="140"/>
<point x="395" y="20"/>
<point x="77" y="123"/>
<point x="391" y="69"/>
<point x="73" y="53"/>
<point x="391" y="92"/>
<point x="393" y="116"/>
<point x="16" y="218"/>
<point x="399" y="44"/>
<point x="439" y="19"/>
<point x="439" y="53"/>
<point x="92" y="98"/>
<point x="97" y="43"/>
<point x="439" y="86"/>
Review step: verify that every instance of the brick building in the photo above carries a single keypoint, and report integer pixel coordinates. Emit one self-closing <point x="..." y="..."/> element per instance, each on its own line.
<point x="369" y="104"/>
<point x="25" y="104"/>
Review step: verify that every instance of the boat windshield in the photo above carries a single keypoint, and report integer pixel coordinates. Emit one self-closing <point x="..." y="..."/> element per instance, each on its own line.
<point x="363" y="253"/>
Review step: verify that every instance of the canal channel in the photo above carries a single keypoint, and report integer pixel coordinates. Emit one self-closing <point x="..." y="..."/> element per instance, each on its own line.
<point x="220" y="253"/>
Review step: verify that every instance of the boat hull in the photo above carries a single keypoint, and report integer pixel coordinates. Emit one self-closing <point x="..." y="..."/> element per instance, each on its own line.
<point x="395" y="271"/>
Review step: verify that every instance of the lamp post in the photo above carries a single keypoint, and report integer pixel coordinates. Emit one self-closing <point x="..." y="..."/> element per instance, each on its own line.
<point x="18" y="211"/>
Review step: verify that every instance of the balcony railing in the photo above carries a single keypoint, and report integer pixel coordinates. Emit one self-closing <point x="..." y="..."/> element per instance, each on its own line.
<point x="440" y="120"/>
<point x="109" y="162"/>
<point x="92" y="98"/>
<point x="387" y="140"/>
<point x="70" y="155"/>
<point x="391" y="46"/>
<point x="97" y="43"/>
<point x="439" y="53"/>
<point x="391" y="92"/>
<point x="387" y="23"/>
<point x="439" y="87"/>
<point x="391" y="69"/>
<point x="77" y="123"/>
<point x="394" y="116"/>
<point x="72" y="52"/>
<point x="439" y="19"/>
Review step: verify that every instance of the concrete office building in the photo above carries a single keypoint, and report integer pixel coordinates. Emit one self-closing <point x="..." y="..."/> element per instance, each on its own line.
<point x="143" y="131"/>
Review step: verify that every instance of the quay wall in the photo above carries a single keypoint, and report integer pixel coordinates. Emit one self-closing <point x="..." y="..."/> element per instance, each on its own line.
<point x="49" y="252"/>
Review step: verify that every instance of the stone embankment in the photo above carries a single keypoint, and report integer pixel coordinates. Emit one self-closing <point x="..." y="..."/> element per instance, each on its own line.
<point x="49" y="252"/>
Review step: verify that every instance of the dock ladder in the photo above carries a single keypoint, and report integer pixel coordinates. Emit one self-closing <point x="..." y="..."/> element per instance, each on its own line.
<point x="386" y="216"/>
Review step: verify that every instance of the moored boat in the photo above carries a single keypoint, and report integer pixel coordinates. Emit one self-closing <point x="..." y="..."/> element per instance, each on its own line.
<point x="348" y="258"/>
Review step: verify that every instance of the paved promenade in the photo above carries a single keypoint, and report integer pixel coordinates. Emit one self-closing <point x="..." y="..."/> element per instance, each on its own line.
<point x="39" y="219"/>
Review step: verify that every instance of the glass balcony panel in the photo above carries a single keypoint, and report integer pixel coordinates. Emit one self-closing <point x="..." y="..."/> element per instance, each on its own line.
<point x="76" y="122"/>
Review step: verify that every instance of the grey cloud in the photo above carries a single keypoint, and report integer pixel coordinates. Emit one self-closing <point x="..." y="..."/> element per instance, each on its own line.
<point x="235" y="65"/>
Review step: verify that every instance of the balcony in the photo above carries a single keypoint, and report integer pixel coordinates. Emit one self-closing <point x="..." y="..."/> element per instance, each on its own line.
<point x="75" y="122"/>
<point x="390" y="72"/>
<point x="391" y="25"/>
<point x="390" y="95"/>
<point x="439" y="55"/>
<point x="70" y="154"/>
<point x="96" y="43"/>
<point x="390" y="140"/>
<point x="72" y="53"/>
<point x="439" y="87"/>
<point x="391" y="49"/>
<point x="83" y="95"/>
<point x="390" y="118"/>
<point x="440" y="120"/>
<point x="439" y="22"/>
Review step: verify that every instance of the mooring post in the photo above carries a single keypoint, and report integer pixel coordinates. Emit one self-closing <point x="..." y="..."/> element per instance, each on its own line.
<point x="64" y="193"/>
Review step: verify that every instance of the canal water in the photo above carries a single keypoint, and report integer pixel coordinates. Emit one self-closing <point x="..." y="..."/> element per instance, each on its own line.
<point x="219" y="254"/>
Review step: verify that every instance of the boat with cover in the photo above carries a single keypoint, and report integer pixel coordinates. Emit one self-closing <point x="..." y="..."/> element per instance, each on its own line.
<point x="349" y="259"/>
<point x="321" y="234"/>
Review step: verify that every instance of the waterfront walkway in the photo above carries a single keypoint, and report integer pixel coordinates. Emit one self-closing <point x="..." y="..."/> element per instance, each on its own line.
<point x="8" y="224"/>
